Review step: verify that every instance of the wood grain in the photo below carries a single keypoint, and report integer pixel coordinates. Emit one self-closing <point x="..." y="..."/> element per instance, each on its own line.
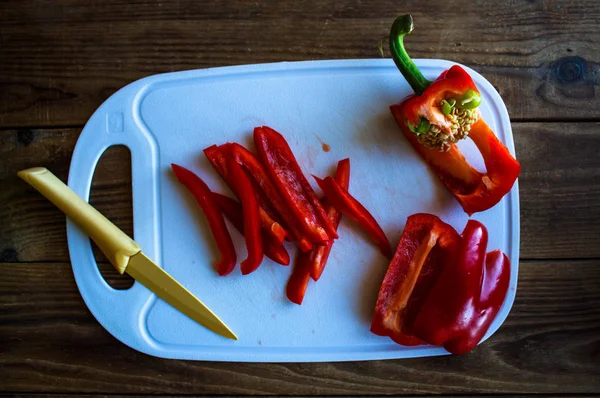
<point x="550" y="343"/>
<point x="43" y="395"/>
<point x="559" y="191"/>
<point x="34" y="230"/>
<point x="62" y="59"/>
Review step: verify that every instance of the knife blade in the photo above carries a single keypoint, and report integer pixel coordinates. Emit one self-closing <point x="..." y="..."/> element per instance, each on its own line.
<point x="122" y="251"/>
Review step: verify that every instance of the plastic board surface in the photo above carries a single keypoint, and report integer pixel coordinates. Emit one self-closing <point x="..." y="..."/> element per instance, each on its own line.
<point x="327" y="110"/>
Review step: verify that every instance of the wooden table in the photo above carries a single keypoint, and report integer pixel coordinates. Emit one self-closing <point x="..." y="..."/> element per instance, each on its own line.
<point x="61" y="59"/>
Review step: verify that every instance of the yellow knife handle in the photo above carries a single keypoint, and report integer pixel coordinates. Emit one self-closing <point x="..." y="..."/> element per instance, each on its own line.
<point x="114" y="243"/>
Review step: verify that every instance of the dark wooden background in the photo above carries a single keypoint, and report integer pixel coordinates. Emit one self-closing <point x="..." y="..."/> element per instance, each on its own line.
<point x="61" y="59"/>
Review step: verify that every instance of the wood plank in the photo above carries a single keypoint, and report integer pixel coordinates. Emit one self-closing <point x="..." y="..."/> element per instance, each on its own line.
<point x="559" y="191"/>
<point x="34" y="229"/>
<point x="550" y="343"/>
<point x="44" y="395"/>
<point x="61" y="60"/>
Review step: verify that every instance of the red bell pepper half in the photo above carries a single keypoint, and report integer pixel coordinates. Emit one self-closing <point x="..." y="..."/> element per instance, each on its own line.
<point x="283" y="169"/>
<point x="426" y="246"/>
<point x="441" y="113"/>
<point x="349" y="206"/>
<point x="218" y="157"/>
<point x="467" y="297"/>
<point x="252" y="233"/>
<point x="452" y="302"/>
<point x="312" y="263"/>
<point x="234" y="213"/>
<point x="213" y="215"/>
<point x="441" y="288"/>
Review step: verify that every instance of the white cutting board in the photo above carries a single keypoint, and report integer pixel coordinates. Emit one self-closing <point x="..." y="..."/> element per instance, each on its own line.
<point x="344" y="104"/>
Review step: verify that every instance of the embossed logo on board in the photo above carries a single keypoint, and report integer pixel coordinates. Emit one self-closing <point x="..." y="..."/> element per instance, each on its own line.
<point x="114" y="122"/>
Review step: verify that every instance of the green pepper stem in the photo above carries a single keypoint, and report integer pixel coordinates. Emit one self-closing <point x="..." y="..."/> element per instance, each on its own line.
<point x="402" y="26"/>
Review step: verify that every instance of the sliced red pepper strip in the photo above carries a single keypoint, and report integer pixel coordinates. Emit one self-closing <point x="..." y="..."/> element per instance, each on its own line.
<point x="312" y="263"/>
<point x="304" y="244"/>
<point x="245" y="191"/>
<point x="317" y="258"/>
<point x="496" y="279"/>
<point x="320" y="253"/>
<point x="452" y="303"/>
<point x="218" y="157"/>
<point x="283" y="169"/>
<point x="270" y="194"/>
<point x="213" y="215"/>
<point x="441" y="113"/>
<point x="426" y="246"/>
<point x="342" y="174"/>
<point x="234" y="213"/>
<point x="349" y="206"/>
<point x="298" y="281"/>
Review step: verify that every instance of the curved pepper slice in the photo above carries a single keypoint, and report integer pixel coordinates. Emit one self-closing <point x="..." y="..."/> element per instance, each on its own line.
<point x="312" y="263"/>
<point x="298" y="282"/>
<point x="494" y="286"/>
<point x="234" y="213"/>
<point x="213" y="215"/>
<point x="269" y="192"/>
<point x="218" y="157"/>
<point x="467" y="297"/>
<point x="245" y="191"/>
<point x="320" y="254"/>
<point x="426" y="247"/>
<point x="502" y="171"/>
<point x="281" y="165"/>
<point x="449" y="297"/>
<point x="349" y="206"/>
<point x="441" y="113"/>
<point x="453" y="301"/>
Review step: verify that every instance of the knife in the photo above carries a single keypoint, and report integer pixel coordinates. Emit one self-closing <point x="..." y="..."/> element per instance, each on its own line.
<point x="122" y="251"/>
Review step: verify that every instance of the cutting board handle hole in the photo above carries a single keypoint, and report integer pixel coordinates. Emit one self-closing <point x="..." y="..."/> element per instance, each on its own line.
<point x="111" y="195"/>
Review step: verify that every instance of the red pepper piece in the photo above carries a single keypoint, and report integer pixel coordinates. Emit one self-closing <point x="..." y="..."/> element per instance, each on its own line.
<point x="304" y="244"/>
<point x="234" y="213"/>
<point x="426" y="246"/>
<point x="502" y="170"/>
<point x="312" y="263"/>
<point x="213" y="215"/>
<point x="218" y="156"/>
<point x="245" y="191"/>
<point x="298" y="282"/>
<point x="317" y="259"/>
<point x="441" y="113"/>
<point x="474" y="191"/>
<point x="451" y="83"/>
<point x="452" y="304"/>
<point x="269" y="192"/>
<point x="320" y="253"/>
<point x="281" y="165"/>
<point x="349" y="206"/>
<point x="496" y="279"/>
